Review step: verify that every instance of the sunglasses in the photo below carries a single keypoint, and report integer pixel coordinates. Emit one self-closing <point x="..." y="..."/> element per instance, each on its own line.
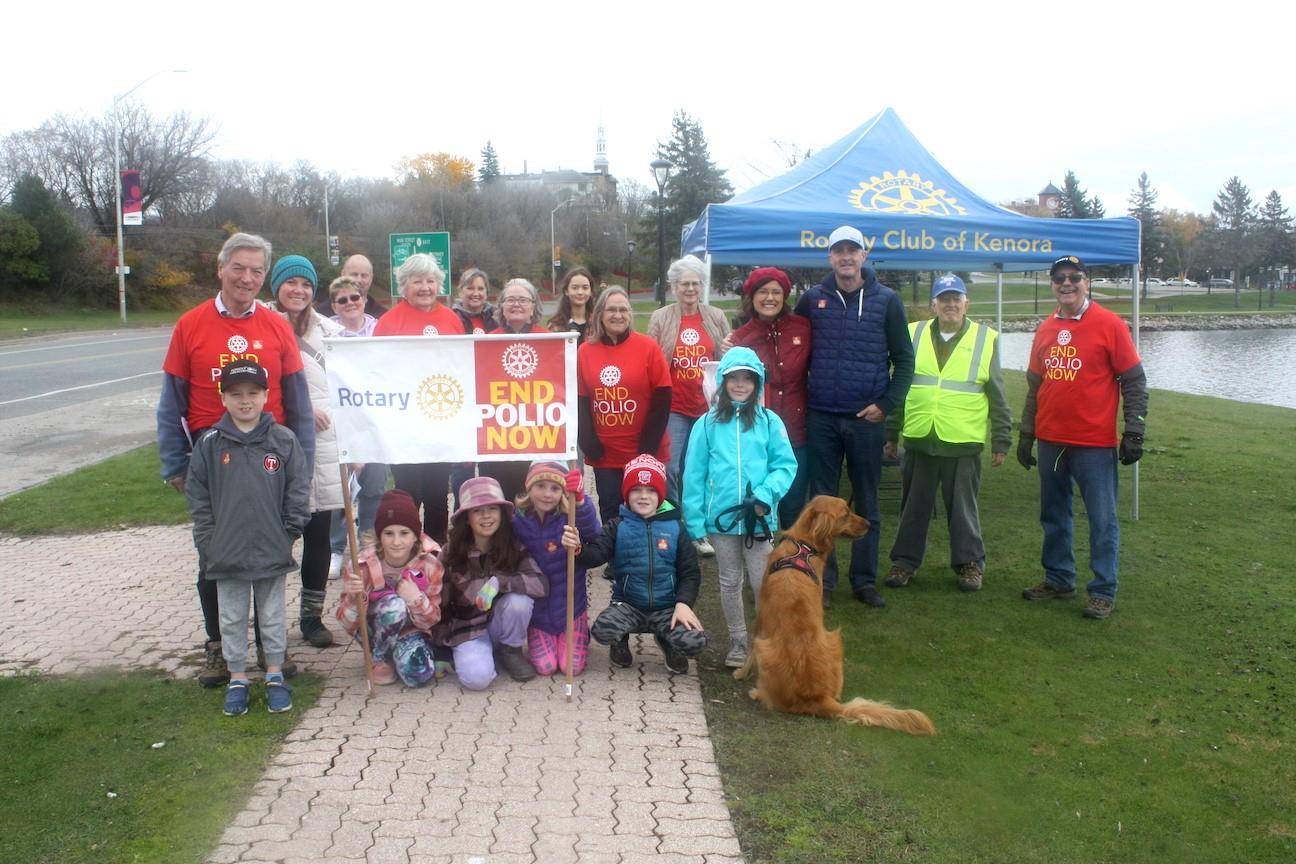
<point x="1073" y="278"/>
<point x="348" y="298"/>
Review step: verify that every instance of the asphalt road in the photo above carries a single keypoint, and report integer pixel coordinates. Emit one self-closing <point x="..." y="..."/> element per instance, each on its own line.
<point x="70" y="400"/>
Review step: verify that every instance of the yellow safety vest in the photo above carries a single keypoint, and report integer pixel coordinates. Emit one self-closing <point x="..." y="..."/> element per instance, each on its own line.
<point x="952" y="399"/>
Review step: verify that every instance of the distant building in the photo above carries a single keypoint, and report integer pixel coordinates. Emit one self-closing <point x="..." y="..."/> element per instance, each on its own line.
<point x="598" y="182"/>
<point x="1049" y="197"/>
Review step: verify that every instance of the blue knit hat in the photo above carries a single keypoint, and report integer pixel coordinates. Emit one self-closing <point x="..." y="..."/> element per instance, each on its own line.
<point x="290" y="266"/>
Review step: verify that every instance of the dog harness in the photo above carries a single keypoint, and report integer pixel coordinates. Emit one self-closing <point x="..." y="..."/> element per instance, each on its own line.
<point x="799" y="561"/>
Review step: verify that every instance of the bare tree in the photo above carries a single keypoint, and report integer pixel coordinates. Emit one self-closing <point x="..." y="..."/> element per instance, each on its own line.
<point x="73" y="157"/>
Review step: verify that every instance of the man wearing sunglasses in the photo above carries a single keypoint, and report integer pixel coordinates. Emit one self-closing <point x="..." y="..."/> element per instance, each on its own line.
<point x="1083" y="366"/>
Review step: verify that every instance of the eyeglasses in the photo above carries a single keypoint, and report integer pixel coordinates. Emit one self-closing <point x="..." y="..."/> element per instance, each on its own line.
<point x="1073" y="278"/>
<point x="348" y="298"/>
<point x="517" y="301"/>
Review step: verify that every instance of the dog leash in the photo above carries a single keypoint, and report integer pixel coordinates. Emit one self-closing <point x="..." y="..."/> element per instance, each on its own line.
<point x="746" y="512"/>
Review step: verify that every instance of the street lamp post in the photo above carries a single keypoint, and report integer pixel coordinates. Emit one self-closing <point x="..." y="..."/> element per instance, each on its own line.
<point x="553" y="249"/>
<point x="661" y="173"/>
<point x="121" y="252"/>
<point x="630" y="247"/>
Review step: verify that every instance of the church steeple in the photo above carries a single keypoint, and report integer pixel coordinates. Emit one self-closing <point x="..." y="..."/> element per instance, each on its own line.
<point x="600" y="152"/>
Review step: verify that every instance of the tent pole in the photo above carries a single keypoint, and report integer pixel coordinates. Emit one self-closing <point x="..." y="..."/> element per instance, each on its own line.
<point x="999" y="297"/>
<point x="1135" y="290"/>
<point x="706" y="296"/>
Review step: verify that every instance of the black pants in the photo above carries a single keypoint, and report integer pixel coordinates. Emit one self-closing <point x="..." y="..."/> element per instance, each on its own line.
<point x="428" y="483"/>
<point x="316" y="551"/>
<point x="619" y="620"/>
<point x="607" y="483"/>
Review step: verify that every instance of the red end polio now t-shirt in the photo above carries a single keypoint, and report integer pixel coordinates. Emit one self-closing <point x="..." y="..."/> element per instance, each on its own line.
<point x="204" y="341"/>
<point x="1078" y="360"/>
<point x="405" y="320"/>
<point x="693" y="345"/>
<point x="619" y="380"/>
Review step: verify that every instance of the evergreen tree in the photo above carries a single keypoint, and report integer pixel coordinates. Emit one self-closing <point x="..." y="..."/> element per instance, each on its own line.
<point x="489" y="164"/>
<point x="695" y="182"/>
<point x="1234" y="234"/>
<point x="60" y="241"/>
<point x="1074" y="202"/>
<point x="1274" y="229"/>
<point x="1142" y="207"/>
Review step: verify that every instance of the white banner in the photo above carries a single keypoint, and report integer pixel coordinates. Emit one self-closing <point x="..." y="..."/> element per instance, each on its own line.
<point x="412" y="399"/>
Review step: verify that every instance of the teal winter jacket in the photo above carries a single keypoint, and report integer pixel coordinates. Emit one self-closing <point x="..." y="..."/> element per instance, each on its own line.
<point x="725" y="460"/>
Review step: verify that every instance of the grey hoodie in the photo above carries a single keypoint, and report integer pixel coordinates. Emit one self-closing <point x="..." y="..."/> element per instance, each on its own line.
<point x="249" y="493"/>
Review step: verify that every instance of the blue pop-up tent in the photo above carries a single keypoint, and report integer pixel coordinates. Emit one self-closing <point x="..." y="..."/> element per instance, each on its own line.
<point x="913" y="213"/>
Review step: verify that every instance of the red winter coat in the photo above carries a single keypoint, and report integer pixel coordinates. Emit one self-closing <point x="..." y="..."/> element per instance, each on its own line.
<point x="783" y="345"/>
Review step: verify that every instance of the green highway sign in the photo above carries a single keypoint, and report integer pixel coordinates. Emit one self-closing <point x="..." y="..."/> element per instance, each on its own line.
<point x="434" y="243"/>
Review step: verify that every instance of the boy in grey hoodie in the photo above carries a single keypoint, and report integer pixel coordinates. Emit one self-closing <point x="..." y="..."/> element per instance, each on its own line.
<point x="249" y="493"/>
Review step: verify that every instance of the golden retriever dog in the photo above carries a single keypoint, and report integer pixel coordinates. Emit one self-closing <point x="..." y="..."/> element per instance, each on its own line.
<point x="798" y="663"/>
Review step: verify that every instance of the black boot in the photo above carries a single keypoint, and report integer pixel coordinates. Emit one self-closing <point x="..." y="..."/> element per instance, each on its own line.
<point x="311" y="621"/>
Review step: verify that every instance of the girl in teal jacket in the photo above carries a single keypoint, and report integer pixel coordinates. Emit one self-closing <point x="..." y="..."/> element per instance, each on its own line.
<point x="740" y="465"/>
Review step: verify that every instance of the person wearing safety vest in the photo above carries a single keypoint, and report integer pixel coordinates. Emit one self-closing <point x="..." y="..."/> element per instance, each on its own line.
<point x="957" y="392"/>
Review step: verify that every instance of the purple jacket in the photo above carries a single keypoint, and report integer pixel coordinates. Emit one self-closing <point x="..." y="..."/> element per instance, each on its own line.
<point x="543" y="541"/>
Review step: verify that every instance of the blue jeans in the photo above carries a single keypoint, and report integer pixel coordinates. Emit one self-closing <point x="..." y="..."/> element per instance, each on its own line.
<point x="791" y="504"/>
<point x="829" y="437"/>
<point x="1093" y="470"/>
<point x="678" y="427"/>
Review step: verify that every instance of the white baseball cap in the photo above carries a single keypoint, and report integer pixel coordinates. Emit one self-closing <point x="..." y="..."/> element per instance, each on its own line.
<point x="846" y="232"/>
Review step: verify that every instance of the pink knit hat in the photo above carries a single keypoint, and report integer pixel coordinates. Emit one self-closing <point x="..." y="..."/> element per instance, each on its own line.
<point x="481" y="492"/>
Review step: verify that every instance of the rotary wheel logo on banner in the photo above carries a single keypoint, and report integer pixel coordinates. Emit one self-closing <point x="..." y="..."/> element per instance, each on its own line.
<point x="440" y="397"/>
<point x="904" y="193"/>
<point x="520" y="360"/>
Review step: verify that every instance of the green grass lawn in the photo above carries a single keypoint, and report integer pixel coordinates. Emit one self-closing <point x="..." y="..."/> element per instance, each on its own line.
<point x="1164" y="734"/>
<point x="84" y="780"/>
<point x="123" y="492"/>
<point x="18" y="321"/>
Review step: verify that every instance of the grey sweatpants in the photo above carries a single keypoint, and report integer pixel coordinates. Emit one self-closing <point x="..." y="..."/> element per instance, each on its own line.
<point x="268" y="594"/>
<point x="732" y="557"/>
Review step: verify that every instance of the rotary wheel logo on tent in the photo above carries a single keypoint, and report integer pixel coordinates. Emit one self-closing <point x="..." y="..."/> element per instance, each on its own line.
<point x="610" y="376"/>
<point x="689" y="337"/>
<point x="904" y="193"/>
<point x="236" y="344"/>
<point x="440" y="397"/>
<point x="520" y="360"/>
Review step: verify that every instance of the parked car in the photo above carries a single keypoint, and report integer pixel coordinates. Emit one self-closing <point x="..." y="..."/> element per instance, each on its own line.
<point x="1219" y="282"/>
<point x="1154" y="282"/>
<point x="1102" y="283"/>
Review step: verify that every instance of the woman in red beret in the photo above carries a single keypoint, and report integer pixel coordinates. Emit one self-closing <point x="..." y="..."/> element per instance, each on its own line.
<point x="781" y="339"/>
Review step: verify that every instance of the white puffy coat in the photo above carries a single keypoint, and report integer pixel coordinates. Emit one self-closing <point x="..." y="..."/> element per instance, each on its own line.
<point x="326" y="487"/>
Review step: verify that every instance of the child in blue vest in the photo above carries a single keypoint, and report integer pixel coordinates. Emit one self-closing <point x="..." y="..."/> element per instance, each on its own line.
<point x="538" y="523"/>
<point x="657" y="576"/>
<point x="740" y="466"/>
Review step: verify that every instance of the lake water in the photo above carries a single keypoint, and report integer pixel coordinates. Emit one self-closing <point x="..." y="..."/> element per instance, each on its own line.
<point x="1245" y="365"/>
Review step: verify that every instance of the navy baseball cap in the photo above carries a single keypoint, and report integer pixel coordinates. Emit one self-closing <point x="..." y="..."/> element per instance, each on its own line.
<point x="243" y="370"/>
<point x="1068" y="261"/>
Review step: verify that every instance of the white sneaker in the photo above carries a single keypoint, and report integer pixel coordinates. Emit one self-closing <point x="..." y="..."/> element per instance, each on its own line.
<point x="704" y="547"/>
<point x="335" y="566"/>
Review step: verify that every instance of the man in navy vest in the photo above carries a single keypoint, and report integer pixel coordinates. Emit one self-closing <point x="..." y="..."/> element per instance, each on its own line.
<point x="861" y="365"/>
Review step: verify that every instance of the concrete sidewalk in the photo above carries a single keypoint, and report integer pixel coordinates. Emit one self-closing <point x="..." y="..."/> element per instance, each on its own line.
<point x="624" y="773"/>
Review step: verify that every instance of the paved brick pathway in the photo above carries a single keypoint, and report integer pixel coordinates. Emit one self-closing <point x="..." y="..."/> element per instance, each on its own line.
<point x="624" y="773"/>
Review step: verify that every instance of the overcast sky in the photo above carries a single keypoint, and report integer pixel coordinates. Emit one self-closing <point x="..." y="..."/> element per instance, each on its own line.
<point x="1007" y="95"/>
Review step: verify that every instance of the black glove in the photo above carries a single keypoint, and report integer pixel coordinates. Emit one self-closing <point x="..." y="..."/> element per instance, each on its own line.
<point x="1025" y="444"/>
<point x="1131" y="448"/>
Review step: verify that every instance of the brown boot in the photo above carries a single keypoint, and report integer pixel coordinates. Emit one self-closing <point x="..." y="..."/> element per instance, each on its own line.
<point x="969" y="576"/>
<point x="215" y="673"/>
